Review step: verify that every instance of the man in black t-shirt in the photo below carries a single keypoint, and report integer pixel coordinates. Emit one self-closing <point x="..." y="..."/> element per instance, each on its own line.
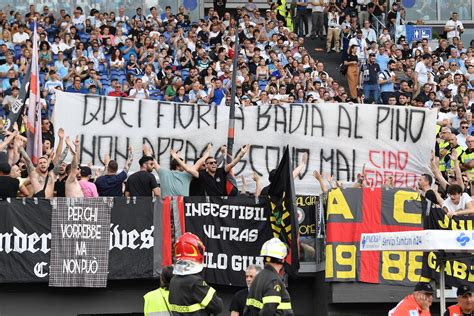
<point x="143" y="182"/>
<point x="8" y="186"/>
<point x="213" y="179"/>
<point x="240" y="298"/>
<point x="424" y="185"/>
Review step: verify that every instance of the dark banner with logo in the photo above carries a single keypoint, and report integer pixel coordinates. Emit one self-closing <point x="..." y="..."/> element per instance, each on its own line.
<point x="131" y="239"/>
<point x="25" y="240"/>
<point x="233" y="231"/>
<point x="459" y="267"/>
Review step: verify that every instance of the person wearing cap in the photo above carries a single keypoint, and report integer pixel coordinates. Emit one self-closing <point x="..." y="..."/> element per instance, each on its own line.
<point x="268" y="294"/>
<point x="88" y="188"/>
<point x="465" y="305"/>
<point x="417" y="303"/>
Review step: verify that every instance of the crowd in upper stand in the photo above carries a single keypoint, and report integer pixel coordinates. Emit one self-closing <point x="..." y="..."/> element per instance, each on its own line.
<point x="169" y="57"/>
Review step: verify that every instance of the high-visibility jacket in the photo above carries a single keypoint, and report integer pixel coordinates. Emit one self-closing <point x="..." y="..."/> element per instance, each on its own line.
<point x="289" y="22"/>
<point x="268" y="295"/>
<point x="467" y="156"/>
<point x="455" y="310"/>
<point x="156" y="303"/>
<point x="443" y="145"/>
<point x="190" y="295"/>
<point x="448" y="163"/>
<point x="408" y="307"/>
<point x="281" y="9"/>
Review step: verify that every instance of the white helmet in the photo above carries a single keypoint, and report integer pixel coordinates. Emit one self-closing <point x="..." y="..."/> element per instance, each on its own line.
<point x="274" y="248"/>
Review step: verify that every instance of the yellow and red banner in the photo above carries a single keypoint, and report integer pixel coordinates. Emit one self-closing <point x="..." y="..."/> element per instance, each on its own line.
<point x="351" y="212"/>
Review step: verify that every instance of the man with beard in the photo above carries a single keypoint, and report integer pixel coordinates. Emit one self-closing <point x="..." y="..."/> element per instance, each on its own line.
<point x="42" y="181"/>
<point x="143" y="182"/>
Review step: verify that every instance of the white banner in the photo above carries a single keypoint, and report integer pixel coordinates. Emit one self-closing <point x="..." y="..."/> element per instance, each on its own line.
<point x="338" y="138"/>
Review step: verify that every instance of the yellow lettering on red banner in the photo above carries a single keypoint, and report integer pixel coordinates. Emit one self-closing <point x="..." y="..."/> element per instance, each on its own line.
<point x="346" y="257"/>
<point x="337" y="204"/>
<point x="414" y="265"/>
<point x="399" y="214"/>
<point x="394" y="265"/>
<point x="329" y="262"/>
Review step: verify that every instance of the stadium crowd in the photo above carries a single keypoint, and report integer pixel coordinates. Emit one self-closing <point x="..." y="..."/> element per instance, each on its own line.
<point x="166" y="56"/>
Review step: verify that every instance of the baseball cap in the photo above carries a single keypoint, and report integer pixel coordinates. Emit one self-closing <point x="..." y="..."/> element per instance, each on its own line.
<point x="85" y="171"/>
<point x="446" y="90"/>
<point x="463" y="290"/>
<point x="424" y="287"/>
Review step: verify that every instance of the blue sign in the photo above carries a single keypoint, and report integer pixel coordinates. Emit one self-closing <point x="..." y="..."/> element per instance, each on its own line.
<point x="417" y="33"/>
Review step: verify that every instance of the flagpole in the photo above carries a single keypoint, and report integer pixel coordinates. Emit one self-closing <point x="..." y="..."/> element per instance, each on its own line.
<point x="230" y="131"/>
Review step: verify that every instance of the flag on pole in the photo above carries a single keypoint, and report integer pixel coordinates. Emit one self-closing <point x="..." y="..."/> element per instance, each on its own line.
<point x="283" y="218"/>
<point x="33" y="126"/>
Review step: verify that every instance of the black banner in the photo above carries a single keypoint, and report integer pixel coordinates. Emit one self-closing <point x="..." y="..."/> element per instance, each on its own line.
<point x="233" y="230"/>
<point x="25" y="239"/>
<point x="80" y="242"/>
<point x="459" y="267"/>
<point x="131" y="239"/>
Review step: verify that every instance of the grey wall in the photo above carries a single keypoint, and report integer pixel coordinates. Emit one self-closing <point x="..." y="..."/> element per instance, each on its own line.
<point x="310" y="296"/>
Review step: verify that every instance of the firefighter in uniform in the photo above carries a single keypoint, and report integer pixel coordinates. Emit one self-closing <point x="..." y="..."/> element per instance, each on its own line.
<point x="268" y="295"/>
<point x="465" y="305"/>
<point x="156" y="302"/>
<point x="189" y="293"/>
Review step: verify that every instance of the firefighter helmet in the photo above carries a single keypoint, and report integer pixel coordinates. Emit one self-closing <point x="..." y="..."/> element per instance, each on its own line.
<point x="189" y="247"/>
<point x="274" y="248"/>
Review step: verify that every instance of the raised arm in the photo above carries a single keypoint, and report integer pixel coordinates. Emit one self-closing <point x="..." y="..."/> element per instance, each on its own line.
<point x="320" y="179"/>
<point x="191" y="170"/>
<point x="129" y="161"/>
<point x="30" y="167"/>
<point x="301" y="166"/>
<point x="60" y="160"/>
<point x="434" y="168"/>
<point x="10" y="137"/>
<point x="74" y="165"/>
<point x="240" y="155"/>
<point x="457" y="169"/>
<point x="59" y="149"/>
<point x="258" y="184"/>
<point x="202" y="160"/>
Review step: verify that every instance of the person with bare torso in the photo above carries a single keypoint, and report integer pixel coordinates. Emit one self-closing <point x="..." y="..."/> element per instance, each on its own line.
<point x="73" y="189"/>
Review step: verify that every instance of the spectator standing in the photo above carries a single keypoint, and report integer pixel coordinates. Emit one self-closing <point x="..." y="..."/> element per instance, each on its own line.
<point x="453" y="28"/>
<point x="369" y="78"/>
<point x="111" y="183"/>
<point x="334" y="29"/>
<point x="88" y="188"/>
<point x="213" y="179"/>
<point x="386" y="80"/>
<point x="300" y="18"/>
<point x="352" y="71"/>
<point x="317" y="18"/>
<point x="143" y="182"/>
